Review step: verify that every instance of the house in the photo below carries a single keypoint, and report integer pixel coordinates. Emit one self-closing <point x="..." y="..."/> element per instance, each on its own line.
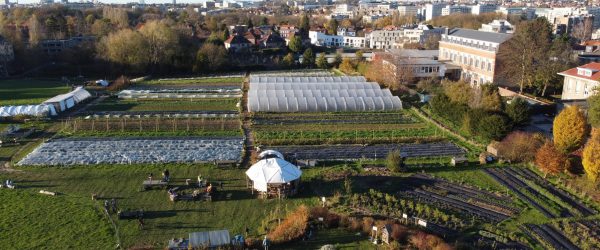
<point x="286" y="31"/>
<point x="237" y="44"/>
<point x="580" y="82"/>
<point x="253" y="36"/>
<point x="474" y="52"/>
<point x="273" y="40"/>
<point x="56" y="46"/>
<point x="498" y="26"/>
<point x="319" y="38"/>
<point x="412" y="63"/>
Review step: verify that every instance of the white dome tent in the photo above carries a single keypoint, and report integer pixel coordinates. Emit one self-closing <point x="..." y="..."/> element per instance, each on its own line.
<point x="272" y="176"/>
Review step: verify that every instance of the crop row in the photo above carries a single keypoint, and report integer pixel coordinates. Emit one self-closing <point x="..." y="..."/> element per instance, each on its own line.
<point x="520" y="189"/>
<point x="156" y="125"/>
<point x="324" y="118"/>
<point x="562" y="195"/>
<point x="166" y="105"/>
<point x="551" y="237"/>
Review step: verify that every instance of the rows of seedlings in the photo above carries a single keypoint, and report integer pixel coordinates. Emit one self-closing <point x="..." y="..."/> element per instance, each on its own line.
<point x="520" y="189"/>
<point x="585" y="233"/>
<point x="562" y="195"/>
<point x="551" y="237"/>
<point x="461" y="198"/>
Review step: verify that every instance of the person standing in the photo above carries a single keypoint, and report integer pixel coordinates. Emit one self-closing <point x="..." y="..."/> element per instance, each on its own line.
<point x="266" y="243"/>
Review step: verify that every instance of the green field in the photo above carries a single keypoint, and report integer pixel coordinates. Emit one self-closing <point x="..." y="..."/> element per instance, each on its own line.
<point x="73" y="217"/>
<point x="113" y="104"/>
<point x="29" y="91"/>
<point x="335" y="128"/>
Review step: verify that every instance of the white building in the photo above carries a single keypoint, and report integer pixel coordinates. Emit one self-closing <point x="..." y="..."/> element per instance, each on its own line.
<point x="421" y="63"/>
<point x="321" y="39"/>
<point x="433" y="10"/>
<point x="343" y="10"/>
<point x="580" y="82"/>
<point x="396" y="38"/>
<point x="497" y="26"/>
<point x="408" y="10"/>
<point x="520" y="11"/>
<point x="355" y="42"/>
<point x="483" y="8"/>
<point x="454" y="9"/>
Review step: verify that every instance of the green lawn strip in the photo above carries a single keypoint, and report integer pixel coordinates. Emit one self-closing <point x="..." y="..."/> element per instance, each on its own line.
<point x="552" y="207"/>
<point x="339" y="237"/>
<point x="176" y="81"/>
<point x="359" y="133"/>
<point x="165" y="219"/>
<point x="35" y="221"/>
<point x="558" y="181"/>
<point x="340" y="127"/>
<point x="470" y="175"/>
<point x="29" y="91"/>
<point x="221" y="104"/>
<point x="527" y="216"/>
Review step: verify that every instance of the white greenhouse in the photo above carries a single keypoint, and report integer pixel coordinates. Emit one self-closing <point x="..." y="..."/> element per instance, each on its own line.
<point x="68" y="100"/>
<point x="318" y="94"/>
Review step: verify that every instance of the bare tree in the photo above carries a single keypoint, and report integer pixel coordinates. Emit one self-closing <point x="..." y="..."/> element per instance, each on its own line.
<point x="582" y="31"/>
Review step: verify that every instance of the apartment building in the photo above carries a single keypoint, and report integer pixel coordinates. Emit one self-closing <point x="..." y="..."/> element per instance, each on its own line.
<point x="497" y="26"/>
<point x="408" y="10"/>
<point x="319" y="38"/>
<point x="580" y="82"/>
<point x="474" y="52"/>
<point x="455" y="9"/>
<point x="433" y="10"/>
<point x="483" y="8"/>
<point x="391" y="38"/>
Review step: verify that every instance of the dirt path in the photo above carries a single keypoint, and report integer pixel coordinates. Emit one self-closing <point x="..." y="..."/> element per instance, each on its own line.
<point x="246" y="127"/>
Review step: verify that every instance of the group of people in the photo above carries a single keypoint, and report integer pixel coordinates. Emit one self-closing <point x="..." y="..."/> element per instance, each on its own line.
<point x="8" y="184"/>
<point x="110" y="206"/>
<point x="166" y="176"/>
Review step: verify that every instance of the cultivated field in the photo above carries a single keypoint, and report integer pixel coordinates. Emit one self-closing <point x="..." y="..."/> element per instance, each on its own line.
<point x="114" y="104"/>
<point x="30" y="91"/>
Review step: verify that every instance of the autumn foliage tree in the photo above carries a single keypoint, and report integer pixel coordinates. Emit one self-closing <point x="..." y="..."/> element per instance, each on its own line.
<point x="550" y="160"/>
<point x="569" y="129"/>
<point x="520" y="146"/>
<point x="591" y="157"/>
<point x="292" y="227"/>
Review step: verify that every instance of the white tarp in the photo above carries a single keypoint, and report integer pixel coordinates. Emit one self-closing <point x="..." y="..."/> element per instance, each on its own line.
<point x="102" y="83"/>
<point x="272" y="171"/>
<point x="31" y="110"/>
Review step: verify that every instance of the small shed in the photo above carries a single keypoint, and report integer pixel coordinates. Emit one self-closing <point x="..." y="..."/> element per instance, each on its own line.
<point x="386" y="233"/>
<point x="210" y="239"/>
<point x="458" y="160"/>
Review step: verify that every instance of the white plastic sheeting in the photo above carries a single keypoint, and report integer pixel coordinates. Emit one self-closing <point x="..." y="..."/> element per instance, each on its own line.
<point x="66" y="101"/>
<point x="181" y="93"/>
<point x="211" y="239"/>
<point x="31" y="110"/>
<point x="272" y="171"/>
<point x="318" y="94"/>
<point x="126" y="151"/>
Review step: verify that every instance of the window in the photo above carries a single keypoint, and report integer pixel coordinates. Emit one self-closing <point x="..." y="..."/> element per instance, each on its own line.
<point x="477" y="63"/>
<point x="489" y="67"/>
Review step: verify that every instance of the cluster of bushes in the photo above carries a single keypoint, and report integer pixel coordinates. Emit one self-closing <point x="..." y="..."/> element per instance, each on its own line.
<point x="478" y="111"/>
<point x="293" y="227"/>
<point x="571" y="140"/>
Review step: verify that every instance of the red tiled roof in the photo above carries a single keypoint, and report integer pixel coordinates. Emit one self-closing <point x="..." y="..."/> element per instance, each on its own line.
<point x="593" y="66"/>
<point x="591" y="43"/>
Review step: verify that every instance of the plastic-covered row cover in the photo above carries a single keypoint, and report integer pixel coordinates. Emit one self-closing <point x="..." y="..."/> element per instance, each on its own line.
<point x="31" y="110"/>
<point x="318" y="94"/>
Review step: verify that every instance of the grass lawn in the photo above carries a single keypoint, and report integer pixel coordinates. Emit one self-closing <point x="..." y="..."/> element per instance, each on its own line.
<point x="339" y="237"/>
<point x="113" y="104"/>
<point x="29" y="91"/>
<point x="471" y="175"/>
<point x="165" y="219"/>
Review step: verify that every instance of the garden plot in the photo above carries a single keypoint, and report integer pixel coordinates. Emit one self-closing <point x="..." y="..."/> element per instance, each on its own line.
<point x="230" y="80"/>
<point x="472" y="202"/>
<point x="550" y="237"/>
<point x="294" y="73"/>
<point x="160" y="105"/>
<point x="354" y="152"/>
<point x="127" y="151"/>
<point x="160" y="114"/>
<point x="551" y="201"/>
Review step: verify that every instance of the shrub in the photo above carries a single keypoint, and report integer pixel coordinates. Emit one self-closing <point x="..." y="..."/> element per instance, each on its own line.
<point x="355" y="224"/>
<point x="394" y="161"/>
<point x="493" y="127"/>
<point x="520" y="146"/>
<point x="293" y="226"/>
<point x="518" y="111"/>
<point x="550" y="160"/>
<point x="121" y="83"/>
<point x="332" y="220"/>
<point x="317" y="212"/>
<point x="399" y="233"/>
<point x="422" y="240"/>
<point x="591" y="157"/>
<point x="347" y="66"/>
<point x="593" y="112"/>
<point x="569" y="129"/>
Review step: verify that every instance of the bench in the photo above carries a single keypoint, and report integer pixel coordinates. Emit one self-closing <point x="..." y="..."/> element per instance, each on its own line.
<point x="154" y="183"/>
